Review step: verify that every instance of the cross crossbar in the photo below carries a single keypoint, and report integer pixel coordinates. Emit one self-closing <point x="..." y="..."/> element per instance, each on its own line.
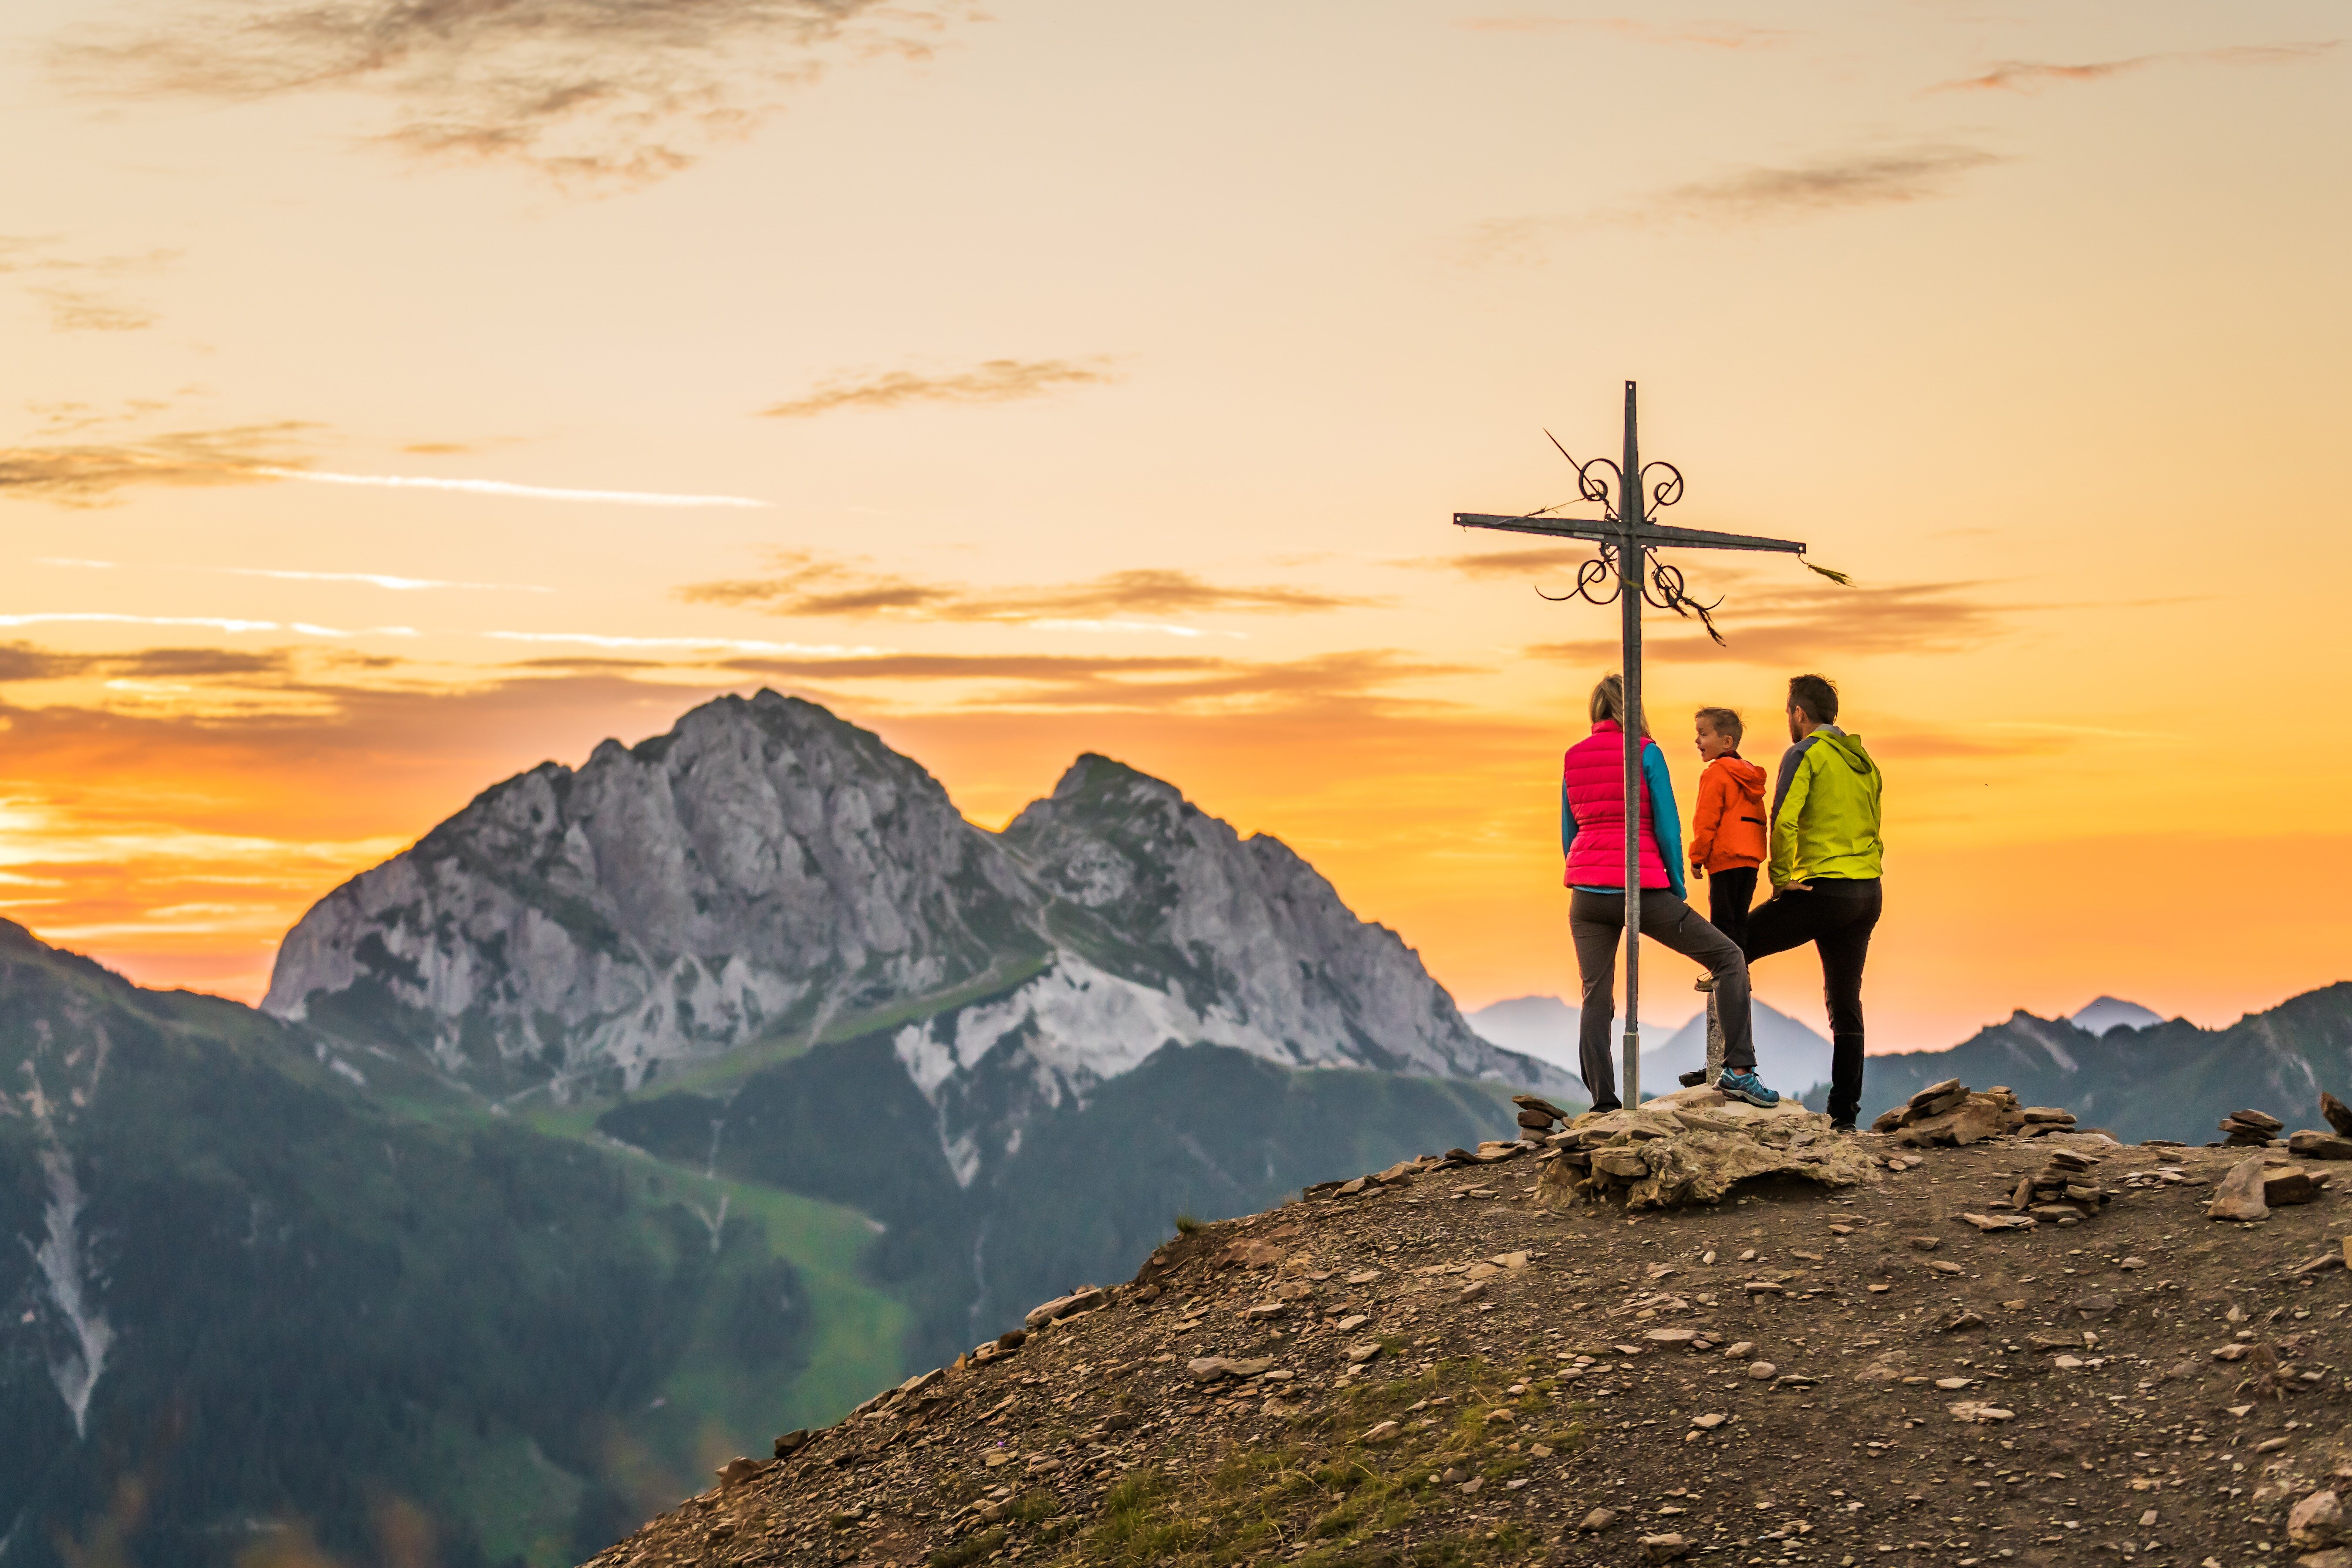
<point x="1603" y="531"/>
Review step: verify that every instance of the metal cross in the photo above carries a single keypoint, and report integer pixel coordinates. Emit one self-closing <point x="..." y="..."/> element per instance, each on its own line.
<point x="1625" y="534"/>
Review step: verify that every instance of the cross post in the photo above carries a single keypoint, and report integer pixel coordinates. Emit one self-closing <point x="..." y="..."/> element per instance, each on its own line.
<point x="1629" y="542"/>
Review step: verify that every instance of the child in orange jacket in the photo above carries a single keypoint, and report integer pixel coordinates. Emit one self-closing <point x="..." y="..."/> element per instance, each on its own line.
<point x="1728" y="831"/>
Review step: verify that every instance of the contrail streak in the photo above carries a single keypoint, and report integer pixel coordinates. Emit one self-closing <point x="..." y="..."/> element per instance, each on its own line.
<point x="373" y="579"/>
<point x="501" y="488"/>
<point x="214" y="622"/>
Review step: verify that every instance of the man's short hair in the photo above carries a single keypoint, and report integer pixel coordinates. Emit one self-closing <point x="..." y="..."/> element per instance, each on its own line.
<point x="1816" y="696"/>
<point x="1724" y="722"/>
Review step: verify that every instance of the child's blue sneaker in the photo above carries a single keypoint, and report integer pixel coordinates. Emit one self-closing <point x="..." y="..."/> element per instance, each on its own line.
<point x="1747" y="1085"/>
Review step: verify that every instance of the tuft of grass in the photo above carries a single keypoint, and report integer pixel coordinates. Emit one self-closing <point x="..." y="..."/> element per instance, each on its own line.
<point x="1316" y="1495"/>
<point x="969" y="1549"/>
<point x="1186" y="1225"/>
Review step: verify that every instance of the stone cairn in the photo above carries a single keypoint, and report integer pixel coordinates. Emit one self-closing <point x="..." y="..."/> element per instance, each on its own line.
<point x="2249" y="1128"/>
<point x="1951" y="1114"/>
<point x="1536" y="1117"/>
<point x="2066" y="1190"/>
<point x="2264" y="1181"/>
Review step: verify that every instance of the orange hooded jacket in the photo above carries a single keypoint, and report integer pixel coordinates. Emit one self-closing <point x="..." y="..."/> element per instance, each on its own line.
<point x="1727" y="830"/>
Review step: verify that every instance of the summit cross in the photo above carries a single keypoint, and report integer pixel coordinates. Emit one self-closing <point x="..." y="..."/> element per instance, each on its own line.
<point x="1624" y="532"/>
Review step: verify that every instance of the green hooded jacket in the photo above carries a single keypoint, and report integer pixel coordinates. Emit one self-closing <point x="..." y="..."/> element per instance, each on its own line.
<point x="1825" y="820"/>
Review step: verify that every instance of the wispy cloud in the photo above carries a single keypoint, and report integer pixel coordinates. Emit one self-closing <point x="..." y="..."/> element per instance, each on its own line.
<point x="371" y="579"/>
<point x="88" y="475"/>
<point x="692" y="645"/>
<point x="1764" y="625"/>
<point x="1826" y="185"/>
<point x="1817" y="187"/>
<point x="1708" y="35"/>
<point x="1538" y="561"/>
<point x="82" y="310"/>
<point x="91" y="474"/>
<point x="502" y="487"/>
<point x="586" y="91"/>
<point x="2031" y="76"/>
<point x="24" y="661"/>
<point x="807" y="583"/>
<point x="990" y="381"/>
<point x="76" y="307"/>
<point x="1152" y="684"/>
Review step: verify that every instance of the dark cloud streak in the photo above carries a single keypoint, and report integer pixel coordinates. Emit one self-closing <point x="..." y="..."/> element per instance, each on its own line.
<point x="1144" y="685"/>
<point x="21" y="661"/>
<point x="2030" y="76"/>
<point x="1825" y="185"/>
<point x="991" y="380"/>
<point x="90" y="474"/>
<point x="1806" y="624"/>
<point x="596" y="92"/>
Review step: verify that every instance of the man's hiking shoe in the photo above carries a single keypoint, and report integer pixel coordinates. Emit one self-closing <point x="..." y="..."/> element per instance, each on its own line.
<point x="1841" y="1127"/>
<point x="1747" y="1085"/>
<point x="1703" y="983"/>
<point x="1693" y="1078"/>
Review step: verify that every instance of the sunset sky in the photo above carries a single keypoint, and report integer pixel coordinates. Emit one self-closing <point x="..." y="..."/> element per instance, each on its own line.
<point x="394" y="403"/>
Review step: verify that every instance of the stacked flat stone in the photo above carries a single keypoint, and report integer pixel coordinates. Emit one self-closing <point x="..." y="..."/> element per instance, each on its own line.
<point x="1952" y="1113"/>
<point x="2249" y="1129"/>
<point x="1536" y="1117"/>
<point x="2065" y="1188"/>
<point x="2041" y="1121"/>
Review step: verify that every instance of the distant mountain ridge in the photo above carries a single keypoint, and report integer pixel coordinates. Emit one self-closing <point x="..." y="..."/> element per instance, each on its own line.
<point x="1789" y="1054"/>
<point x="2169" y="1080"/>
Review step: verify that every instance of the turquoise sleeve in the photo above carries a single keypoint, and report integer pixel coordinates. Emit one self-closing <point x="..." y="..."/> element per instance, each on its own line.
<point x="1664" y="819"/>
<point x="1567" y="823"/>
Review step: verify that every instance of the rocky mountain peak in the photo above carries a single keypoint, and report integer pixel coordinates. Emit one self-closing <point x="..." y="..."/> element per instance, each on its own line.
<point x="765" y="870"/>
<point x="760" y="868"/>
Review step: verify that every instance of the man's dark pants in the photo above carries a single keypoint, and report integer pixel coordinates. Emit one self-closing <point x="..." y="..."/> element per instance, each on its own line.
<point x="1596" y="922"/>
<point x="1836" y="914"/>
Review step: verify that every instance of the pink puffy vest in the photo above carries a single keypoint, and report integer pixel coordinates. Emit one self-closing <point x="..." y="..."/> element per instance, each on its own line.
<point x="1594" y="775"/>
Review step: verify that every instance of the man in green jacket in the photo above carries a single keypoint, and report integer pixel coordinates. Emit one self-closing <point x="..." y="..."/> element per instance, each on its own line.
<point x="1824" y="864"/>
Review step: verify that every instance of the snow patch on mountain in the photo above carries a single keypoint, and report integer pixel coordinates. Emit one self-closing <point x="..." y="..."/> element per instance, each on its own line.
<point x="2113" y="1013"/>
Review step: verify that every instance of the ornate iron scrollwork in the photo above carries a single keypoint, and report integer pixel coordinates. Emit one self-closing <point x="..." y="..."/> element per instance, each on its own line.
<point x="1601" y="482"/>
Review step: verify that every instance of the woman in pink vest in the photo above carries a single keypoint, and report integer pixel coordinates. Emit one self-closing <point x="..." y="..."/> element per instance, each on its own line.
<point x="1592" y="837"/>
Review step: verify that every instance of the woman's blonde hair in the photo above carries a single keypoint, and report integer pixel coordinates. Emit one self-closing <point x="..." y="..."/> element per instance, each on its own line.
<point x="1609" y="701"/>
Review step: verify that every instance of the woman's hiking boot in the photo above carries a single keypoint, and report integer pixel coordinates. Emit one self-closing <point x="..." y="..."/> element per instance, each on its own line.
<point x="1747" y="1085"/>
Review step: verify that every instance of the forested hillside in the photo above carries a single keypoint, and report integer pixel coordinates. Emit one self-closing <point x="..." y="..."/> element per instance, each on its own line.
<point x="254" y="1297"/>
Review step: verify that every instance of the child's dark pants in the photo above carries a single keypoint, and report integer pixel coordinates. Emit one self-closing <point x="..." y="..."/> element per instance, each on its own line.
<point x="1728" y="896"/>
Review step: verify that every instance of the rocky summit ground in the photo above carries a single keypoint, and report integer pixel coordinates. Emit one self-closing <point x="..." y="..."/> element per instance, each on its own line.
<point x="1447" y="1368"/>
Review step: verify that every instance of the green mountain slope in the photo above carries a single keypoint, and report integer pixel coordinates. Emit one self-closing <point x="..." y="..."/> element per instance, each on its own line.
<point x="311" y="1313"/>
<point x="1203" y="1130"/>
